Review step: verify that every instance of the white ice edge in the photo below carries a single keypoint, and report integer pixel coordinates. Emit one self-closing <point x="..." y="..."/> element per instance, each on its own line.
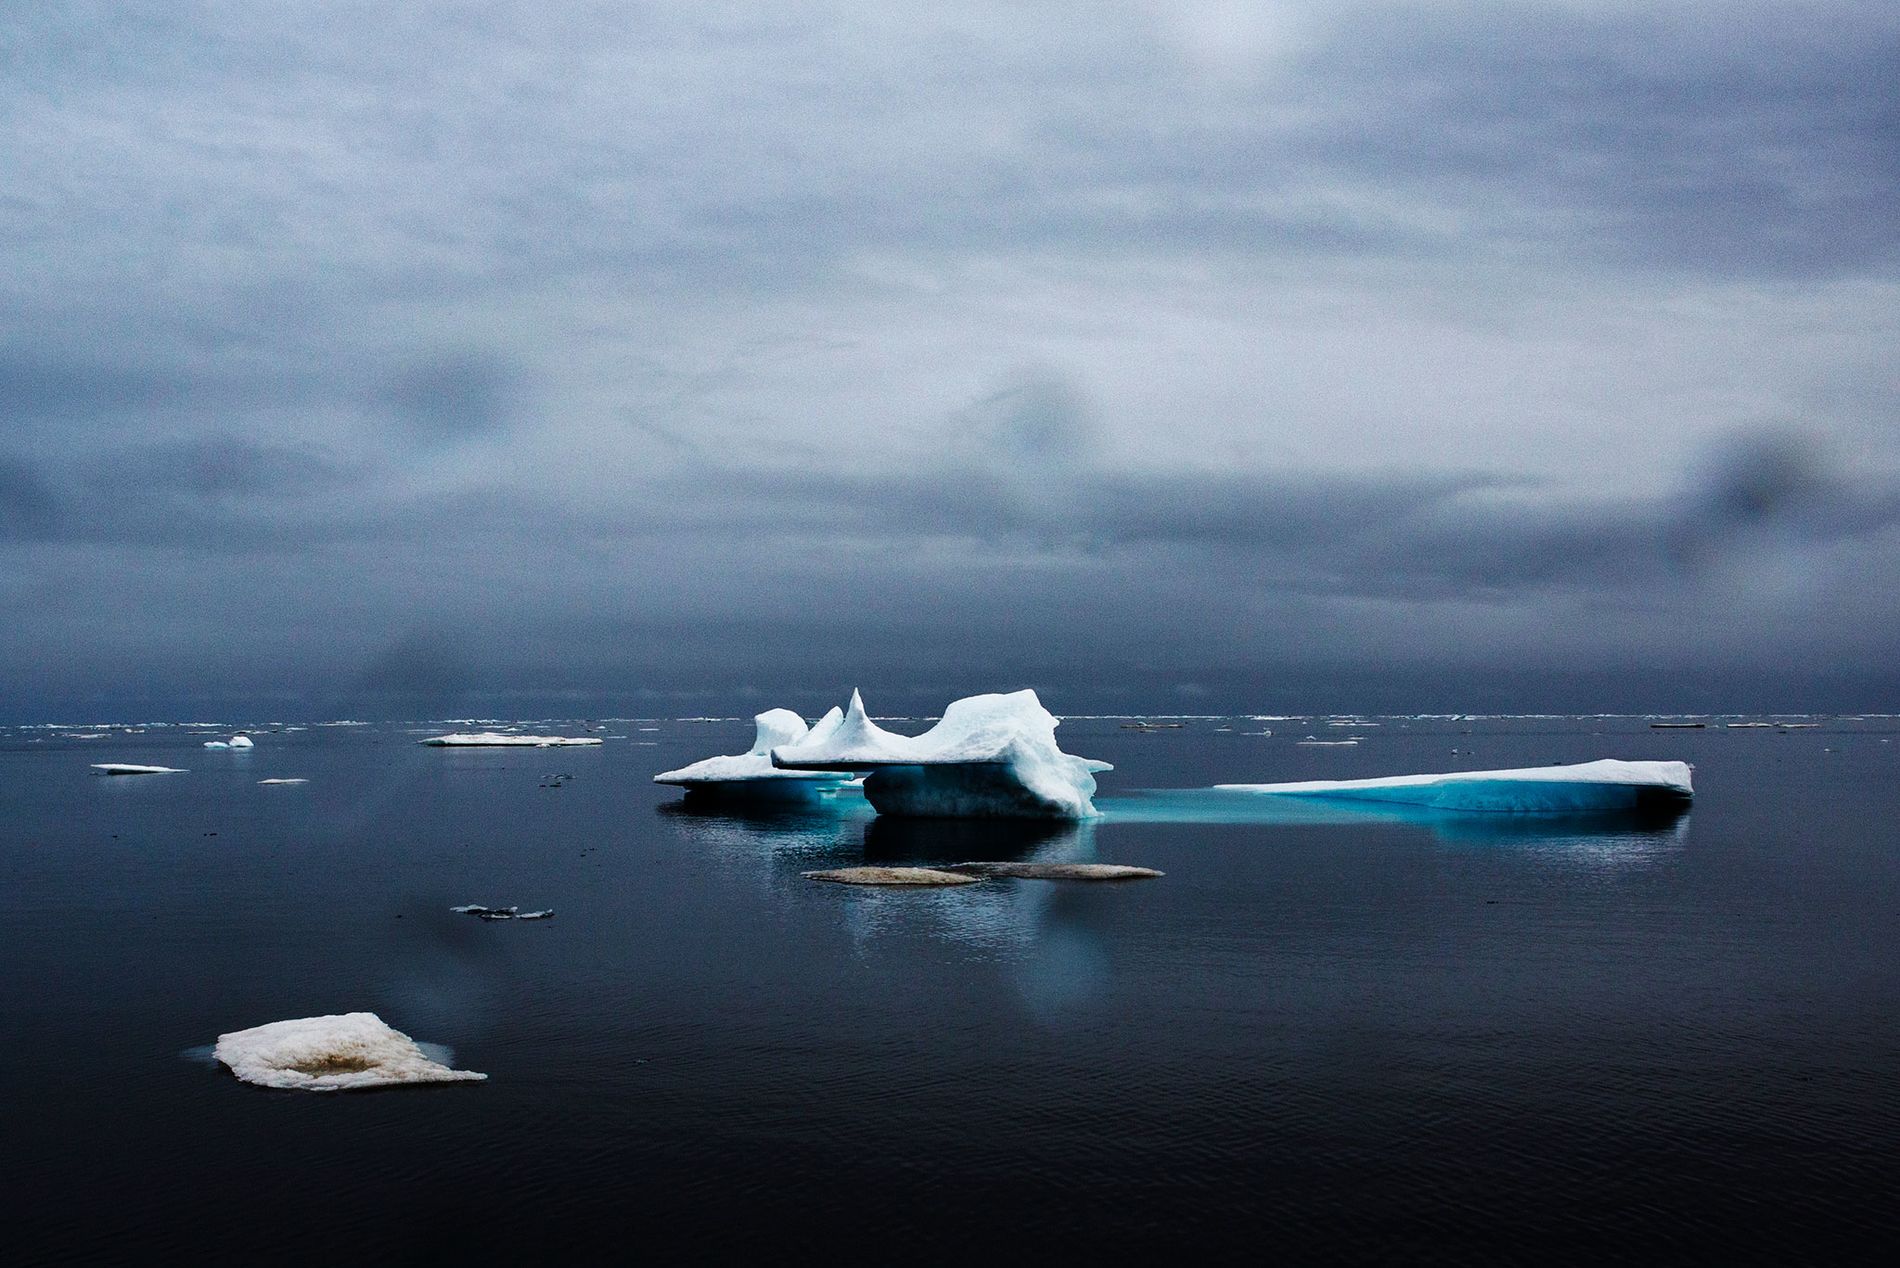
<point x="492" y="739"/>
<point x="1602" y="784"/>
<point x="122" y="768"/>
<point x="772" y="728"/>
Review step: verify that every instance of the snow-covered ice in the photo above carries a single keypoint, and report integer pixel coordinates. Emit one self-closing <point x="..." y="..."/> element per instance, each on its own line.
<point x="122" y="768"/>
<point x="1601" y="785"/>
<point x="752" y="776"/>
<point x="495" y="739"/>
<point x="989" y="756"/>
<point x="500" y="913"/>
<point x="241" y="740"/>
<point x="335" y="1053"/>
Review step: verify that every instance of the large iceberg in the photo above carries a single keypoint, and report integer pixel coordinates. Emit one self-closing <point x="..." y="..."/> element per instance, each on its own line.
<point x="1586" y="787"/>
<point x="341" y="1052"/>
<point x="992" y="756"/>
<point x="751" y="776"/>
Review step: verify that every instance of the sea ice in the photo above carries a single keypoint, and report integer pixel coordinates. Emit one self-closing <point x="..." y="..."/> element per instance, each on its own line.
<point x="500" y="913"/>
<point x="1060" y="871"/>
<point x="1589" y="786"/>
<point x="336" y="1053"/>
<point x="283" y="781"/>
<point x="241" y="741"/>
<point x="121" y="768"/>
<point x="891" y="876"/>
<point x="991" y="756"/>
<point x="751" y="776"/>
<point x="494" y="739"/>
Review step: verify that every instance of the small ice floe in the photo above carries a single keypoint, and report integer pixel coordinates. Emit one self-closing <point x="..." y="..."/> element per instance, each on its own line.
<point x="495" y="739"/>
<point x="85" y="735"/>
<point x="990" y="756"/>
<point x="1588" y="786"/>
<point x="122" y="768"/>
<point x="283" y="781"/>
<point x="920" y="876"/>
<point x="1061" y="871"/>
<point x="341" y="1052"/>
<point x="1313" y="741"/>
<point x="240" y="740"/>
<point x="500" y="913"/>
<point x="1677" y="726"/>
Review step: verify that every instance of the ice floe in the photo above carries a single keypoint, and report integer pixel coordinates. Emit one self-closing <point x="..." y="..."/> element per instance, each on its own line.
<point x="122" y="768"/>
<point x="496" y="739"/>
<point x="920" y="876"/>
<point x="1060" y="871"/>
<point x="340" y="1052"/>
<point x="500" y="913"/>
<point x="752" y="776"/>
<point x="1588" y="786"/>
<point x="989" y="756"/>
<point x="283" y="781"/>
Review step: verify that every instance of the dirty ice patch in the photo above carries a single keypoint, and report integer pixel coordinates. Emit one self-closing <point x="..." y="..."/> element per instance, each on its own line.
<point x="339" y="1052"/>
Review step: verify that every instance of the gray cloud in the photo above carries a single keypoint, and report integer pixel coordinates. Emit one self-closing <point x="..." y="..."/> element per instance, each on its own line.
<point x="688" y="343"/>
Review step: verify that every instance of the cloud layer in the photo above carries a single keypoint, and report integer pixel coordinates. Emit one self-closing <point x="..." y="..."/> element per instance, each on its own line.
<point x="508" y="350"/>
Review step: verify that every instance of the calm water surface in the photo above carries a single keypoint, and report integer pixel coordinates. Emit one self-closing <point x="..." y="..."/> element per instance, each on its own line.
<point x="1332" y="1038"/>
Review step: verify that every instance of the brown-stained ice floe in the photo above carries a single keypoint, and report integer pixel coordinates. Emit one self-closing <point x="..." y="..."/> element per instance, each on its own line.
<point x="892" y="876"/>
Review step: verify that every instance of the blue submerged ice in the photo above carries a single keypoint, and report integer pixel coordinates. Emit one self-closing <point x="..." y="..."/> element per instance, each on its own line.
<point x="990" y="756"/>
<point x="750" y="777"/>
<point x="1606" y="785"/>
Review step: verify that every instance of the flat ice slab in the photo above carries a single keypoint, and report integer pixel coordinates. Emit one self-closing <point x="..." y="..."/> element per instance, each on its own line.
<point x="991" y="756"/>
<point x="1060" y="871"/>
<point x="494" y="739"/>
<point x="1601" y="785"/>
<point x="920" y="876"/>
<point x="121" y="768"/>
<point x="340" y="1052"/>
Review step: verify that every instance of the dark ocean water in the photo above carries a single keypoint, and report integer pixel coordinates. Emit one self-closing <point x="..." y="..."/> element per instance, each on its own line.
<point x="1357" y="1040"/>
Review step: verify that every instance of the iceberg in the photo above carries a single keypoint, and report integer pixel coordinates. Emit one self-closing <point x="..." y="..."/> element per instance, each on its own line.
<point x="990" y="756"/>
<point x="1606" y="785"/>
<point x="121" y="768"/>
<point x="494" y="739"/>
<point x="341" y="1052"/>
<point x="751" y="776"/>
<point x="241" y="741"/>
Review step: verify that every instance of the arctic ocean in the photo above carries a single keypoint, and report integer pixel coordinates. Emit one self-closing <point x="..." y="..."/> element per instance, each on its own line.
<point x="1331" y="1029"/>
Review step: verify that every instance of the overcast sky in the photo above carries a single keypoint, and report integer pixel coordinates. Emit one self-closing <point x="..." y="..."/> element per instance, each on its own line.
<point x="381" y="357"/>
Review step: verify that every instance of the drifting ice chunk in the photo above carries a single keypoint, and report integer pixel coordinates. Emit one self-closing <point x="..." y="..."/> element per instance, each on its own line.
<point x="1600" y="785"/>
<point x="990" y="756"/>
<point x="241" y="741"/>
<point x="283" y="781"/>
<point x="493" y="739"/>
<point x="120" y="768"/>
<point x="891" y="876"/>
<point x="337" y="1053"/>
<point x="751" y="776"/>
<point x="1060" y="871"/>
